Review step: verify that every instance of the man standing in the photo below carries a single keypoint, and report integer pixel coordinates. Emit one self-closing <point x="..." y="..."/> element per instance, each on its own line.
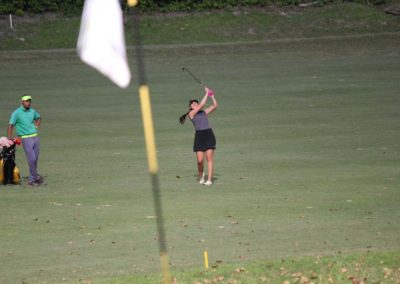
<point x="26" y="121"/>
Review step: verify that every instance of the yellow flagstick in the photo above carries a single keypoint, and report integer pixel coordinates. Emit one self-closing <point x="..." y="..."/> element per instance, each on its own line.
<point x="147" y="117"/>
<point x="205" y="259"/>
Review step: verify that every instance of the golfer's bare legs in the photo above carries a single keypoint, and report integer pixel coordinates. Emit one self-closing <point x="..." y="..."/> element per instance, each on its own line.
<point x="200" y="163"/>
<point x="210" y="163"/>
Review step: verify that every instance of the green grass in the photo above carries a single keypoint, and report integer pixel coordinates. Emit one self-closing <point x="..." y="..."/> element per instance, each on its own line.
<point x="306" y="162"/>
<point x="244" y="24"/>
<point x="371" y="267"/>
<point x="307" y="172"/>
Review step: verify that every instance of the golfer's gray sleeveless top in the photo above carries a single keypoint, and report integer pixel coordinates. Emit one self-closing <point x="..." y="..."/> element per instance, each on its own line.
<point x="200" y="121"/>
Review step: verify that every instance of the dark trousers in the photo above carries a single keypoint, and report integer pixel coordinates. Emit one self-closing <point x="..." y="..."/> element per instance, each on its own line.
<point x="32" y="148"/>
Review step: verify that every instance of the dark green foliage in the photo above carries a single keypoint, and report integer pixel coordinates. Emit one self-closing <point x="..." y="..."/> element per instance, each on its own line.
<point x="8" y="6"/>
<point x="71" y="7"/>
<point x="18" y="7"/>
<point x="74" y="7"/>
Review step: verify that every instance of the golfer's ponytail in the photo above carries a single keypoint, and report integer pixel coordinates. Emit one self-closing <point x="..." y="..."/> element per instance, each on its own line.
<point x="182" y="118"/>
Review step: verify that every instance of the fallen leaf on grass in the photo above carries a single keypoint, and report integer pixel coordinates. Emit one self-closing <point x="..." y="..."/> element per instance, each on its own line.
<point x="355" y="280"/>
<point x="218" y="279"/>
<point x="297" y="274"/>
<point x="283" y="271"/>
<point x="216" y="264"/>
<point x="304" y="279"/>
<point x="387" y="272"/>
<point x="55" y="203"/>
<point x="240" y="269"/>
<point x="344" y="270"/>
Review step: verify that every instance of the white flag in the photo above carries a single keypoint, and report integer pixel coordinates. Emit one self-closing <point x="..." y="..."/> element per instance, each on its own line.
<point x="101" y="42"/>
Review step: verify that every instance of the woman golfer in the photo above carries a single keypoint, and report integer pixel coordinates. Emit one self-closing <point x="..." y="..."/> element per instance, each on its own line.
<point x="204" y="140"/>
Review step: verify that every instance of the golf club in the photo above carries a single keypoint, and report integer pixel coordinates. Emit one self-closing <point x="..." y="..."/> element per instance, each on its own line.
<point x="191" y="74"/>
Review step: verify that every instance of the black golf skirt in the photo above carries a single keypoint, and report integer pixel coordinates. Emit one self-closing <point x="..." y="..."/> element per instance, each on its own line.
<point x="204" y="140"/>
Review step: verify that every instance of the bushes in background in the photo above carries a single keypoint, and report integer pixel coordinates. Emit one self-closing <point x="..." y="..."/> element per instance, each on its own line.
<point x="74" y="7"/>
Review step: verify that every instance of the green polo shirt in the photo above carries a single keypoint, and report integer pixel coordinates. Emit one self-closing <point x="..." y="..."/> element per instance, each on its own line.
<point x="23" y="120"/>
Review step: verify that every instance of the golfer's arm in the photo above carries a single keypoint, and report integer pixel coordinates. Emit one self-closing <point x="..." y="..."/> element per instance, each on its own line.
<point x="214" y="106"/>
<point x="215" y="103"/>
<point x="10" y="131"/>
<point x="203" y="102"/>
<point x="38" y="121"/>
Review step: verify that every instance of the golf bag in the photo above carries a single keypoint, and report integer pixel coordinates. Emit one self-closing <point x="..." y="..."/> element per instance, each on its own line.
<point x="9" y="172"/>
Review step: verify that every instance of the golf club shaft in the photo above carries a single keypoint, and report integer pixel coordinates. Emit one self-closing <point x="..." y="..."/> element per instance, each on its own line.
<point x="191" y="74"/>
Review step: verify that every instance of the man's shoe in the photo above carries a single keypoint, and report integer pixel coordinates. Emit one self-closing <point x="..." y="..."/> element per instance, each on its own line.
<point x="33" y="183"/>
<point x="40" y="180"/>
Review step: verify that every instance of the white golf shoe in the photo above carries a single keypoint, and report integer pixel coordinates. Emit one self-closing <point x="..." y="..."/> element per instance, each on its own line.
<point x="209" y="182"/>
<point x="201" y="180"/>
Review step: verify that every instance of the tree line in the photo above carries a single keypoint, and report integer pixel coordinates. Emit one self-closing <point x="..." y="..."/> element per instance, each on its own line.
<point x="74" y="7"/>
